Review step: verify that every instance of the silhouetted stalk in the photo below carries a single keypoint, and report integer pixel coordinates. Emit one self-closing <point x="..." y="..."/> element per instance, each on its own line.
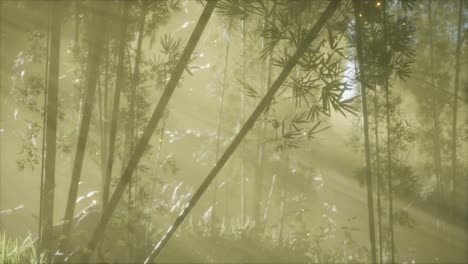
<point x="218" y="132"/>
<point x="77" y="23"/>
<point x="283" y="203"/>
<point x="133" y="129"/>
<point x="270" y="195"/>
<point x="92" y="75"/>
<point x="435" y="117"/>
<point x="120" y="80"/>
<point x="264" y="128"/>
<point x="260" y="170"/>
<point x="106" y="92"/>
<point x="362" y="80"/>
<point x="377" y="172"/>
<point x="264" y="103"/>
<point x="101" y="132"/>
<point x="44" y="131"/>
<point x="242" y="110"/>
<point x="161" y="140"/>
<point x="389" y="144"/>
<point x="1" y="108"/>
<point x="150" y="128"/>
<point x="51" y="135"/>
<point x="158" y="158"/>
<point x="455" y="110"/>
<point x="125" y="152"/>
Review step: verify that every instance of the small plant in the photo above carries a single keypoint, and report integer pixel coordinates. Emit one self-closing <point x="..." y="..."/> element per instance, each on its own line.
<point x="13" y="251"/>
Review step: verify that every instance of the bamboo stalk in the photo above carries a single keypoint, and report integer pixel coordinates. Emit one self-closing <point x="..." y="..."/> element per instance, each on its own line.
<point x="362" y="80"/>
<point x="116" y="102"/>
<point x="51" y="135"/>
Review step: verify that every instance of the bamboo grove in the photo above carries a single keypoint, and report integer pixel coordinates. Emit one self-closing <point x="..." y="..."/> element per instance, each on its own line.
<point x="240" y="131"/>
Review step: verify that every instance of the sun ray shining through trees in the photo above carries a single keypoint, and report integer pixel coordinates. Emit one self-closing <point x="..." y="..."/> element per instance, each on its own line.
<point x="233" y="131"/>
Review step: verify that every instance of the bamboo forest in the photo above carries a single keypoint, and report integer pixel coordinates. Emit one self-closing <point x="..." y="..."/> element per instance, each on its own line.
<point x="233" y="131"/>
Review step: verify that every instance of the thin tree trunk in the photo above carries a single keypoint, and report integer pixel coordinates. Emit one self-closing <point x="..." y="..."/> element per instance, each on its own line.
<point x="218" y="132"/>
<point x="120" y="80"/>
<point x="435" y="119"/>
<point x="270" y="195"/>
<point x="77" y="23"/>
<point x="151" y="127"/>
<point x="51" y="136"/>
<point x="161" y="140"/>
<point x="389" y="144"/>
<point x="1" y="108"/>
<point x="92" y="74"/>
<point x="44" y="131"/>
<point x="455" y="111"/>
<point x="283" y="204"/>
<point x="260" y="169"/>
<point x="102" y="136"/>
<point x="134" y="124"/>
<point x="362" y="80"/>
<point x="125" y="151"/>
<point x="264" y="103"/>
<point x="242" y="110"/>
<point x="377" y="172"/>
<point x="158" y="158"/>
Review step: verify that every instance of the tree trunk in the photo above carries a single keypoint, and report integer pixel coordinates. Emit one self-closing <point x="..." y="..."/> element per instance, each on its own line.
<point x="51" y="136"/>
<point x="283" y="203"/>
<point x="270" y="195"/>
<point x="377" y="172"/>
<point x="214" y="224"/>
<point x="362" y="80"/>
<point x="455" y="111"/>
<point x="389" y="144"/>
<point x="260" y="170"/>
<point x="44" y="131"/>
<point x="151" y="127"/>
<point x="1" y="107"/>
<point x="77" y="25"/>
<point x="242" y="111"/>
<point x="133" y="128"/>
<point x="264" y="103"/>
<point x="435" y="119"/>
<point x="92" y="74"/>
<point x="120" y="80"/>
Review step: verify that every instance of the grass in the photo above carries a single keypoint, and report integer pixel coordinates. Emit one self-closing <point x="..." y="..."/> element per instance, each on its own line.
<point x="13" y="251"/>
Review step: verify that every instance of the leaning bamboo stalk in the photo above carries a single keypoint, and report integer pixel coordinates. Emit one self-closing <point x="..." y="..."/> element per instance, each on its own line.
<point x="263" y="104"/>
<point x="150" y="128"/>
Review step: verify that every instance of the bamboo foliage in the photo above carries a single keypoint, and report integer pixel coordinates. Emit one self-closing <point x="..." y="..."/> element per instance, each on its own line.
<point x="263" y="104"/>
<point x="259" y="108"/>
<point x="150" y="128"/>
